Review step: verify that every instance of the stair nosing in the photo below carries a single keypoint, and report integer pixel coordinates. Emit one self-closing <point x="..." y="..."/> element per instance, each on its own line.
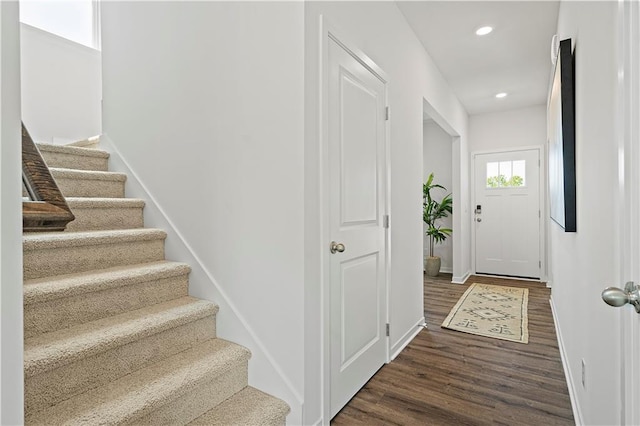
<point x="260" y="401"/>
<point x="55" y="349"/>
<point x="44" y="289"/>
<point x="64" y="173"/>
<point x="39" y="241"/>
<point x="203" y="362"/>
<point x="105" y="202"/>
<point x="73" y="150"/>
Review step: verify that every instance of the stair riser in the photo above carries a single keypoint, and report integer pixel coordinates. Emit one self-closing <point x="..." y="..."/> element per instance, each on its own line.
<point x="202" y="399"/>
<point x="78" y="162"/>
<point x="68" y="260"/>
<point x="72" y="187"/>
<point x="70" y="311"/>
<point x="93" y="219"/>
<point x="51" y="387"/>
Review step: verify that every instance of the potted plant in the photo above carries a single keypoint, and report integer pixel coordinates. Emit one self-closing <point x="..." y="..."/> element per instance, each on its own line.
<point x="433" y="211"/>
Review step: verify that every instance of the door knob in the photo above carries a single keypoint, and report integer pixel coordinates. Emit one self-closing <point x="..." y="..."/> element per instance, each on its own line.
<point x="479" y="219"/>
<point x="617" y="297"/>
<point x="336" y="247"/>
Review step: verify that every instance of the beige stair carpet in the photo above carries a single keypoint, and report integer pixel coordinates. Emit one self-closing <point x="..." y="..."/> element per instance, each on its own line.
<point x="111" y="335"/>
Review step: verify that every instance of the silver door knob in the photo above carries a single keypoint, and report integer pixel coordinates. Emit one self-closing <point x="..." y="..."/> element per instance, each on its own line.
<point x="479" y="219"/>
<point x="617" y="297"/>
<point x="336" y="247"/>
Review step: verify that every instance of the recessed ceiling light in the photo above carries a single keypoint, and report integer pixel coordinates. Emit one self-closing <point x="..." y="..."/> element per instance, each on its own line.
<point x="501" y="95"/>
<point x="484" y="30"/>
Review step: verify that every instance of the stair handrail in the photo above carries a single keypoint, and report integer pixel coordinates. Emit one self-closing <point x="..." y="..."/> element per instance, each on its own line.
<point x="47" y="210"/>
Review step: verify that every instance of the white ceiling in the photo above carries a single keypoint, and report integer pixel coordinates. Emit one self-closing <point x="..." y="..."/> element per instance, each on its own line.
<point x="514" y="58"/>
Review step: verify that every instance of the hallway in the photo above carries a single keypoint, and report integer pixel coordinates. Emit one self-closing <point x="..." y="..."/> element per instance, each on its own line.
<point x="446" y="377"/>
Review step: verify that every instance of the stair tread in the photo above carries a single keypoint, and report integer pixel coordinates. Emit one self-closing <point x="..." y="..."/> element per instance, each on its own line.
<point x="247" y="407"/>
<point x="139" y="393"/>
<point x="60" y="173"/>
<point x="51" y="350"/>
<point x="89" y="202"/>
<point x="50" y="288"/>
<point x="74" y="150"/>
<point x="89" y="143"/>
<point x="35" y="241"/>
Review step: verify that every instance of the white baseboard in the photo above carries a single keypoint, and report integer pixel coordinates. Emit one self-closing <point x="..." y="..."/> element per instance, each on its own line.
<point x="407" y="338"/>
<point x="462" y="279"/>
<point x="571" y="384"/>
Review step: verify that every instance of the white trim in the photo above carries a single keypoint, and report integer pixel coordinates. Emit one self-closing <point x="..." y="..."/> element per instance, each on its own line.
<point x="542" y="192"/>
<point x="325" y="270"/>
<point x="328" y="31"/>
<point x="177" y="247"/>
<point x="627" y="199"/>
<point x="461" y="280"/>
<point x="456" y="190"/>
<point x="96" y="24"/>
<point x="575" y="404"/>
<point x="11" y="259"/>
<point x="407" y="338"/>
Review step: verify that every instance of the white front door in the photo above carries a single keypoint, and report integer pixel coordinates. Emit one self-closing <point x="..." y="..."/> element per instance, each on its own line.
<point x="507" y="213"/>
<point x="356" y="144"/>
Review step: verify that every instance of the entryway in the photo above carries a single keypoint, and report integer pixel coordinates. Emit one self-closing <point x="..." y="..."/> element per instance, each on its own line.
<point x="507" y="213"/>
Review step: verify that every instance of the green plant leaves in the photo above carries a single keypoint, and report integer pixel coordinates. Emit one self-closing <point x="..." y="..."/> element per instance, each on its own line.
<point x="433" y="211"/>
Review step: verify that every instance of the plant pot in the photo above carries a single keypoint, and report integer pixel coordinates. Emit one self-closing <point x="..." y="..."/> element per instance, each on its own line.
<point x="432" y="266"/>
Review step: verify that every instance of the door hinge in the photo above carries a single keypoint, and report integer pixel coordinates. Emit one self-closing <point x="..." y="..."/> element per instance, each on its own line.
<point x="387" y="329"/>
<point x="387" y="113"/>
<point x="539" y="214"/>
<point x="540" y="264"/>
<point x="385" y="221"/>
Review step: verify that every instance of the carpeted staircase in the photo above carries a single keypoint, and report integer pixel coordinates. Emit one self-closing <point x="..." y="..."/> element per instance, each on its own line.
<point x="111" y="335"/>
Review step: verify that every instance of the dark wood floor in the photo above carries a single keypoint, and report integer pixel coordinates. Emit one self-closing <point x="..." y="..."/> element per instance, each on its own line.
<point x="446" y="377"/>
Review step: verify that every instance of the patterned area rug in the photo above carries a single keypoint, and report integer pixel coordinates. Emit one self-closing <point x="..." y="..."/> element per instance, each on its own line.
<point x="492" y="311"/>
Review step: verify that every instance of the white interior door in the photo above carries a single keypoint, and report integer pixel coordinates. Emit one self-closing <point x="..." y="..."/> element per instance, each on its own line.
<point x="356" y="138"/>
<point x="507" y="213"/>
<point x="628" y="197"/>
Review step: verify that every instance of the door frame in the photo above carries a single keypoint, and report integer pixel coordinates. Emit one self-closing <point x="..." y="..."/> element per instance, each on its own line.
<point x="329" y="31"/>
<point x="627" y="198"/>
<point x="541" y="200"/>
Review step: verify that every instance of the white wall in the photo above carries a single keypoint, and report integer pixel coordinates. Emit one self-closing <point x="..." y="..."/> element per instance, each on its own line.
<point x="61" y="87"/>
<point x="218" y="118"/>
<point x="381" y="32"/>
<point x="11" y="342"/>
<point x="437" y="155"/>
<point x="204" y="100"/>
<point x="523" y="127"/>
<point x="583" y="263"/>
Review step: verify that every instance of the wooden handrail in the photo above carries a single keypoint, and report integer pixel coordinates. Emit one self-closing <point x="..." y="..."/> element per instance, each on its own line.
<point x="47" y="210"/>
